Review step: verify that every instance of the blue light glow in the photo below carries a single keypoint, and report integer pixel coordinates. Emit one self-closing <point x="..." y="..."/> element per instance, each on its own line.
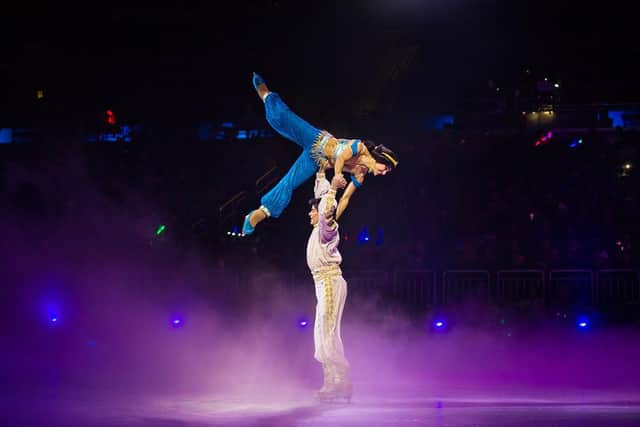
<point x="205" y="131"/>
<point x="439" y="122"/>
<point x="617" y="119"/>
<point x="583" y="323"/>
<point x="380" y="237"/>
<point x="123" y="134"/>
<point x="6" y="135"/>
<point x="575" y="142"/>
<point x="303" y="322"/>
<point x="439" y="324"/>
<point x="177" y="322"/>
<point x="364" y="235"/>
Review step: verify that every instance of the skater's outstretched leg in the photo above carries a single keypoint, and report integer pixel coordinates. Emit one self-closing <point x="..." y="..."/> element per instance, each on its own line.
<point x="282" y="118"/>
<point x="277" y="199"/>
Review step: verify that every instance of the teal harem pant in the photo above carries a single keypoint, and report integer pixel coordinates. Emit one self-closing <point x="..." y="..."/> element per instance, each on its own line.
<point x="291" y="126"/>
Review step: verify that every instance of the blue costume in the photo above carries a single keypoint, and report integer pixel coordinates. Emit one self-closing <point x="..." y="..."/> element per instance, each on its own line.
<point x="311" y="139"/>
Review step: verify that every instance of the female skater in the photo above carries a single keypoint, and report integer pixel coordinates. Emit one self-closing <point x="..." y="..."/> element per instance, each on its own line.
<point x="353" y="156"/>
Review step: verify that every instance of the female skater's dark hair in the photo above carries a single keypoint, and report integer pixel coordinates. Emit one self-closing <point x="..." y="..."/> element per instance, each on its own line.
<point x="314" y="203"/>
<point x="382" y="154"/>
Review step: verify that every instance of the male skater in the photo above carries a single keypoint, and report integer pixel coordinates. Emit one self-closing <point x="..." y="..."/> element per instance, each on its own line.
<point x="324" y="261"/>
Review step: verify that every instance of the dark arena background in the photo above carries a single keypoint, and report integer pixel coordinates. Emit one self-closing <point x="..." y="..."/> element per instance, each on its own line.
<point x="493" y="277"/>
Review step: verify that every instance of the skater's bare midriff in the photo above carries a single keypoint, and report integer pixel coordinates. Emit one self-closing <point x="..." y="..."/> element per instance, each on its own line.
<point x="355" y="165"/>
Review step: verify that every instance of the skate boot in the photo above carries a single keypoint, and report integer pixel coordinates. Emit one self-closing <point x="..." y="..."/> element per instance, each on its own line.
<point x="327" y="383"/>
<point x="337" y="394"/>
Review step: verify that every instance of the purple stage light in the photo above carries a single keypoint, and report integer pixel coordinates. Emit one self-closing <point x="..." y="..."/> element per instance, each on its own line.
<point x="439" y="324"/>
<point x="583" y="323"/>
<point x="303" y="322"/>
<point x="51" y="309"/>
<point x="177" y="322"/>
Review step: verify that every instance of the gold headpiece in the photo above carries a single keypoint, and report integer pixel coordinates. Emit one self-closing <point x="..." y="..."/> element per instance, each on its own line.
<point x="391" y="159"/>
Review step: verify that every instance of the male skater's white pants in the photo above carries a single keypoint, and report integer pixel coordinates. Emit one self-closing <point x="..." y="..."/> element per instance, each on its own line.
<point x="331" y="294"/>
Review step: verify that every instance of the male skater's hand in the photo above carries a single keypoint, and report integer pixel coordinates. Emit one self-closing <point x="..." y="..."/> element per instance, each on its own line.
<point x="324" y="165"/>
<point x="338" y="181"/>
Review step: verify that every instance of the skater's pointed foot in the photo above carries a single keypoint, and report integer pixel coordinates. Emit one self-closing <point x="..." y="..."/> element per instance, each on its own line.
<point x="257" y="81"/>
<point x="260" y="86"/>
<point x="247" y="228"/>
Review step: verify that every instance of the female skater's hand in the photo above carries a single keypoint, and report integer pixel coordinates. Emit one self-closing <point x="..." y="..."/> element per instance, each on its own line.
<point x="338" y="181"/>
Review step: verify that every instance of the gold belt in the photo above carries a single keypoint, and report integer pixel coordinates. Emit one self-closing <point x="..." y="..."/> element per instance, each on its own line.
<point x="325" y="273"/>
<point x="317" y="148"/>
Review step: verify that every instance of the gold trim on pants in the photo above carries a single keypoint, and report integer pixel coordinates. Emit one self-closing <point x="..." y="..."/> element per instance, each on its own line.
<point x="331" y="293"/>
